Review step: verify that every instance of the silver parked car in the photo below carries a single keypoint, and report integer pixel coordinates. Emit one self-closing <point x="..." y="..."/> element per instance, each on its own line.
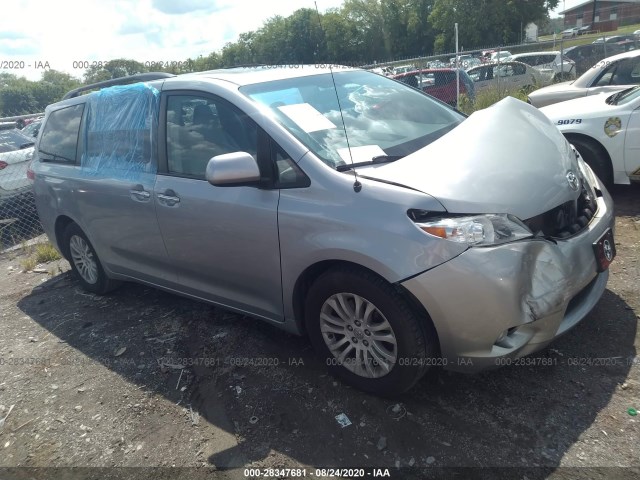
<point x="505" y="77"/>
<point x="339" y="204"/>
<point x="607" y="76"/>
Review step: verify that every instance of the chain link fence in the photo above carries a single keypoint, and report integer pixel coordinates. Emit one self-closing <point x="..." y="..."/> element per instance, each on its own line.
<point x="472" y="80"/>
<point x="490" y="73"/>
<point x="18" y="215"/>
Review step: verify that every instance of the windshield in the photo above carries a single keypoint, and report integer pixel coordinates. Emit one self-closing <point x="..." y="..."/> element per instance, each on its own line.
<point x="380" y="116"/>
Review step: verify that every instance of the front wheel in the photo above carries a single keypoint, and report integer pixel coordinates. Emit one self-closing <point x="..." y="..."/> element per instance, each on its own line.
<point x="84" y="261"/>
<point x="596" y="159"/>
<point x="366" y="332"/>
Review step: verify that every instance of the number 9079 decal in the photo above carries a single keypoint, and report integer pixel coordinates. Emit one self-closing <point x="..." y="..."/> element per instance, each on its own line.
<point x="570" y="122"/>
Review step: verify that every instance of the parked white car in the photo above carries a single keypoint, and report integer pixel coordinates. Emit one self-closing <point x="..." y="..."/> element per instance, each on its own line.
<point x="16" y="151"/>
<point x="500" y="56"/>
<point x="403" y="69"/>
<point x="465" y="61"/>
<point x="605" y="129"/>
<point x="570" y="32"/>
<point x="551" y="65"/>
<point x="607" y="76"/>
<point x="509" y="76"/>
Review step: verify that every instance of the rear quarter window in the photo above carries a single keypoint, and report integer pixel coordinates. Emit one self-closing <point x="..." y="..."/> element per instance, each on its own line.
<point x="59" y="140"/>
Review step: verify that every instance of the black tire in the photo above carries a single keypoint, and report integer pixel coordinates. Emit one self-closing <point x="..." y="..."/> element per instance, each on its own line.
<point x="413" y="345"/>
<point x="102" y="283"/>
<point x="527" y="89"/>
<point x="596" y="158"/>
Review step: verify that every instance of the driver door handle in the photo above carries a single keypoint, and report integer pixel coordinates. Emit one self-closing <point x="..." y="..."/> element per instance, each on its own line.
<point x="139" y="194"/>
<point x="168" y="198"/>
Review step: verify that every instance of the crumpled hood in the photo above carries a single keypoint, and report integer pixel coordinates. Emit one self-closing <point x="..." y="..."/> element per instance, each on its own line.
<point x="508" y="158"/>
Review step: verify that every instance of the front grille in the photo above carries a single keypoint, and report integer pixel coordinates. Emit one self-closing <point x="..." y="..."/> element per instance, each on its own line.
<point x="566" y="219"/>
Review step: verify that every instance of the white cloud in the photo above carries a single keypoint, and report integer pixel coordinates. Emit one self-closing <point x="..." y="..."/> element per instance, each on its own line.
<point x="142" y="30"/>
<point x="173" y="7"/>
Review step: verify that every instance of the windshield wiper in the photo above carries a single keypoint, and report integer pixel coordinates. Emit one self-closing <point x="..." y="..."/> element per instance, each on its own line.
<point x="613" y="99"/>
<point x="54" y="156"/>
<point x="373" y="161"/>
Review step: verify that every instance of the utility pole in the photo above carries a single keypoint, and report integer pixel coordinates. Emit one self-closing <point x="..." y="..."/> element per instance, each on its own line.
<point x="593" y="20"/>
<point x="457" y="70"/>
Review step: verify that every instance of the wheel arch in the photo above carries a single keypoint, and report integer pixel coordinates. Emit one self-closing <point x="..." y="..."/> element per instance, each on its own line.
<point x="570" y="136"/>
<point x="62" y="222"/>
<point x="311" y="273"/>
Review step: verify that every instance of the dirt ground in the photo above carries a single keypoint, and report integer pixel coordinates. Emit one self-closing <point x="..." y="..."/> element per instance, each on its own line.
<point x="142" y="378"/>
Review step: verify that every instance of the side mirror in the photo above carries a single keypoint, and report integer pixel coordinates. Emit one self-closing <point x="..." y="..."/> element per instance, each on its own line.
<point x="232" y="169"/>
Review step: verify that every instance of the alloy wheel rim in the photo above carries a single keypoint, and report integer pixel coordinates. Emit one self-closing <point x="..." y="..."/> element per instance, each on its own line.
<point x="358" y="335"/>
<point x="83" y="259"/>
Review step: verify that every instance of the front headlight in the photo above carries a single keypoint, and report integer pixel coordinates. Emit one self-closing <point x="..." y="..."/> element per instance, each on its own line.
<point x="586" y="172"/>
<point x="477" y="230"/>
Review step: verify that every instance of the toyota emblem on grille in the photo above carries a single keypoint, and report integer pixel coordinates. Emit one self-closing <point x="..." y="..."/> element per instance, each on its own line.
<point x="608" y="251"/>
<point x="574" y="181"/>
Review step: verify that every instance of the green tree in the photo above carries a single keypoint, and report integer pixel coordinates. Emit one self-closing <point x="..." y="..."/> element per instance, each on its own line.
<point x="485" y="22"/>
<point x="366" y="16"/>
<point x="117" y="68"/>
<point x="202" y="64"/>
<point x="340" y="39"/>
<point x="238" y="53"/>
<point x="17" y="100"/>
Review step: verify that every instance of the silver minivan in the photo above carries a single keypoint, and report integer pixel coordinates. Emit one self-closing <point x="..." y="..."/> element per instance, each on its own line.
<point x="396" y="233"/>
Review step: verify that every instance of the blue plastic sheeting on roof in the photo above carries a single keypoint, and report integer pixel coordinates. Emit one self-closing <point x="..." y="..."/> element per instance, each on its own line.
<point x="119" y="133"/>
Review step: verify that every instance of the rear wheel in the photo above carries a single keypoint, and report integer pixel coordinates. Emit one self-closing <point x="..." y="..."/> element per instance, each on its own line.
<point x="596" y="158"/>
<point x="85" y="263"/>
<point x="527" y="89"/>
<point x="366" y="332"/>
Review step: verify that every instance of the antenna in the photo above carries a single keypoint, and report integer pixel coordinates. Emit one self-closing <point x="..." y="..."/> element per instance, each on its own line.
<point x="357" y="186"/>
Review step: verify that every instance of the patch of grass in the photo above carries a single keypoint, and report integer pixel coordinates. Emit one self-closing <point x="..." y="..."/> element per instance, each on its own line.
<point x="29" y="263"/>
<point x="487" y="98"/>
<point x="41" y="253"/>
<point x="582" y="39"/>
<point x="45" y="252"/>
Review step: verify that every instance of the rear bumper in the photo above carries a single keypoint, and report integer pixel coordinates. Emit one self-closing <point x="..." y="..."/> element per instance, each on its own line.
<point x="508" y="301"/>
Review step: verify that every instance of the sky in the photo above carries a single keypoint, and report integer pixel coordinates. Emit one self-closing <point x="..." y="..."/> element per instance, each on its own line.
<point x="568" y="3"/>
<point x="35" y="32"/>
<point x="68" y="35"/>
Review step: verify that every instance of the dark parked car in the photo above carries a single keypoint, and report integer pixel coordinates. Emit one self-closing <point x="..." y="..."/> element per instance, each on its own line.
<point x="439" y="83"/>
<point x="586" y="56"/>
<point x="615" y="39"/>
<point x="584" y="30"/>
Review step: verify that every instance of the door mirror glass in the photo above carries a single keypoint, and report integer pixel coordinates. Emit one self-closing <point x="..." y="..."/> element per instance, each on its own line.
<point x="230" y="169"/>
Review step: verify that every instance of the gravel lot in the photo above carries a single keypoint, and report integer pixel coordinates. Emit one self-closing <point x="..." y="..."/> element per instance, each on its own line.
<point x="142" y="378"/>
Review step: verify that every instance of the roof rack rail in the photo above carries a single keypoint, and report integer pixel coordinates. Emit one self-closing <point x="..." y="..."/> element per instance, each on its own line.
<point x="139" y="77"/>
<point x="245" y="65"/>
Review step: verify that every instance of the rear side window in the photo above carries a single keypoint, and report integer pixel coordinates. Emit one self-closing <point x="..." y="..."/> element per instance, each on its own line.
<point x="519" y="69"/>
<point x="546" y="59"/>
<point x="59" y="141"/>
<point x="444" y="78"/>
<point x="531" y="60"/>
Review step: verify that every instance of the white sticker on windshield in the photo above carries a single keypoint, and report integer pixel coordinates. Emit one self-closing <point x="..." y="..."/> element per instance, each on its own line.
<point x="307" y="117"/>
<point x="364" y="153"/>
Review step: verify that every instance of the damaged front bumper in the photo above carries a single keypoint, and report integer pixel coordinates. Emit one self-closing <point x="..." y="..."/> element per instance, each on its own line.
<point x="508" y="301"/>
